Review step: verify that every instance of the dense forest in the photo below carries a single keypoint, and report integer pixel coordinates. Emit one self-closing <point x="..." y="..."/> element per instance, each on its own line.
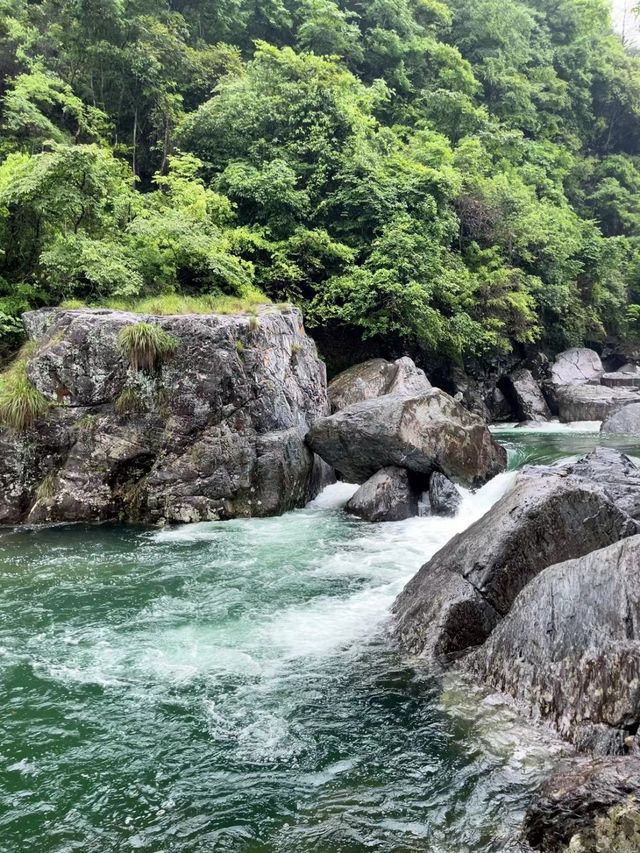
<point x="459" y="176"/>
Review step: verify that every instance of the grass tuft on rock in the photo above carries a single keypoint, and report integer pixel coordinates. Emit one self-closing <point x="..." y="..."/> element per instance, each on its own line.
<point x="246" y="302"/>
<point x="47" y="487"/>
<point x="147" y="345"/>
<point x="20" y="401"/>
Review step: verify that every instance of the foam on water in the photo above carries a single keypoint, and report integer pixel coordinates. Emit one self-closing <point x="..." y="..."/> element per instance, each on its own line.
<point x="232" y="686"/>
<point x="548" y="427"/>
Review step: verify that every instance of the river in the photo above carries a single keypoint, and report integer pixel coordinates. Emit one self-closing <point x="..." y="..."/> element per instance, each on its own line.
<point x="232" y="687"/>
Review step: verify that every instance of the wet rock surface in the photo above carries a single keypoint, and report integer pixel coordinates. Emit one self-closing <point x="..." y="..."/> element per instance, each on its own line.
<point x="215" y="431"/>
<point x="464" y="591"/>
<point x="388" y="495"/>
<point x="376" y="378"/>
<point x="581" y="793"/>
<point x="422" y="433"/>
<point x="444" y="497"/>
<point x="570" y="647"/>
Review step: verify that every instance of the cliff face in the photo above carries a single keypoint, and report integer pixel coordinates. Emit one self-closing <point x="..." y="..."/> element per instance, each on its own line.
<point x="215" y="429"/>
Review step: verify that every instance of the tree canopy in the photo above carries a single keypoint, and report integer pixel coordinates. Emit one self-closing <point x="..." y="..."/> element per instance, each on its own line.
<point x="460" y="177"/>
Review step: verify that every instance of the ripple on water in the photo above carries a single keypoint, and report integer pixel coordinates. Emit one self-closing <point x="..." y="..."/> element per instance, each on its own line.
<point x="232" y="687"/>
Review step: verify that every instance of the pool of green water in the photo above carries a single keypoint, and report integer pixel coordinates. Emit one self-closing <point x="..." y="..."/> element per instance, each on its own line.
<point x="233" y="687"/>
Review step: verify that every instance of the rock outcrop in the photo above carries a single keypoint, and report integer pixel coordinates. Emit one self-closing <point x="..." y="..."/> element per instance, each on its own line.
<point x="570" y="647"/>
<point x="616" y="473"/>
<point x="628" y="374"/>
<point x="585" y="402"/>
<point x="625" y="421"/>
<point x="216" y="430"/>
<point x="375" y="378"/>
<point x="422" y="433"/>
<point x="593" y="802"/>
<point x="526" y="398"/>
<point x="388" y="495"/>
<point x="459" y="596"/>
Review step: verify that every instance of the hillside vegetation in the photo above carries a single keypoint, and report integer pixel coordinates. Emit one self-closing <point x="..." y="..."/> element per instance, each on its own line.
<point x="461" y="177"/>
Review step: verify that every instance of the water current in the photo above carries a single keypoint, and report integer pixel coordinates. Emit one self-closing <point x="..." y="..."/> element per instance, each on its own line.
<point x="233" y="687"/>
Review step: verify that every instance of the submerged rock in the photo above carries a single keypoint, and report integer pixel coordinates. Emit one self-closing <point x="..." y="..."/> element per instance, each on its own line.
<point x="375" y="378"/>
<point x="444" y="497"/>
<point x="570" y="647"/>
<point x="214" y="430"/>
<point x="626" y="421"/>
<point x="576" y="366"/>
<point x="422" y="433"/>
<point x="386" y="496"/>
<point x="459" y="596"/>
<point x="527" y="399"/>
<point x="593" y="801"/>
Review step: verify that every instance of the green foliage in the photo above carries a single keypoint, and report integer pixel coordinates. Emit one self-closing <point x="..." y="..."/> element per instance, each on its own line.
<point x="462" y="176"/>
<point x="20" y="402"/>
<point x="147" y="345"/>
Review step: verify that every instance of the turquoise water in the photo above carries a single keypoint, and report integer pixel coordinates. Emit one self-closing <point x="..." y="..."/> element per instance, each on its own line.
<point x="233" y="687"/>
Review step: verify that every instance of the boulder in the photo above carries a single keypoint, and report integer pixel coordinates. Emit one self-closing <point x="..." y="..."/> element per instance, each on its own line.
<point x="525" y="395"/>
<point x="570" y="647"/>
<point x="576" y="366"/>
<point x="628" y="374"/>
<point x="466" y="588"/>
<point x="386" y="496"/>
<point x="592" y="402"/>
<point x="215" y="430"/>
<point x="616" y="473"/>
<point x="589" y="800"/>
<point x="444" y="497"/>
<point x="375" y="378"/>
<point x="422" y="433"/>
<point x="625" y="421"/>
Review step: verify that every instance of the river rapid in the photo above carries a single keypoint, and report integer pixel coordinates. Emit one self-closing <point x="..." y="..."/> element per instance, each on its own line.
<point x="233" y="687"/>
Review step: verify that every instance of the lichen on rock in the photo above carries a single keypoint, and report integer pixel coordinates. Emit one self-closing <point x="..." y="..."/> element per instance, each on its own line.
<point x="211" y="427"/>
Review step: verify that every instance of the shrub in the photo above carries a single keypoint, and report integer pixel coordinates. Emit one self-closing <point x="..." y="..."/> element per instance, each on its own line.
<point x="20" y="402"/>
<point x="147" y="345"/>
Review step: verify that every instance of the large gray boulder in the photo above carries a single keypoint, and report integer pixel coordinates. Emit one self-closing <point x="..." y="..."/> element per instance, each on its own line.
<point x="592" y="402"/>
<point x="570" y="647"/>
<point x="386" y="496"/>
<point x="591" y="801"/>
<point x="576" y="366"/>
<point x="625" y="421"/>
<point x="216" y="430"/>
<point x="375" y="378"/>
<point x="459" y="596"/>
<point x="422" y="433"/>
<point x="525" y="395"/>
